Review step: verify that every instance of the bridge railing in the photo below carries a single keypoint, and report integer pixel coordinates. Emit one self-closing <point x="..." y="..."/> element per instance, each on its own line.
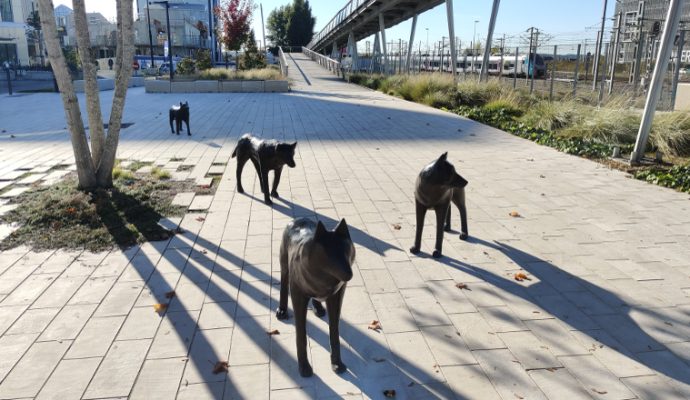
<point x="341" y="16"/>
<point x="326" y="62"/>
<point x="283" y="62"/>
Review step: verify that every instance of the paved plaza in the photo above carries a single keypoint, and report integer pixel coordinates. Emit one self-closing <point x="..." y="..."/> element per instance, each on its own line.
<point x="605" y="313"/>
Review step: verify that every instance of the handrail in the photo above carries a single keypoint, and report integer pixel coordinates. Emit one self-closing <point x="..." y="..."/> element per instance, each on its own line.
<point x="326" y="62"/>
<point x="340" y="16"/>
<point x="283" y="62"/>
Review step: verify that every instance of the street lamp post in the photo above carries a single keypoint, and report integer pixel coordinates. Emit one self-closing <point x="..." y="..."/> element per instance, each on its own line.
<point x="474" y="45"/>
<point x="148" y="23"/>
<point x="427" y="40"/>
<point x="170" y="47"/>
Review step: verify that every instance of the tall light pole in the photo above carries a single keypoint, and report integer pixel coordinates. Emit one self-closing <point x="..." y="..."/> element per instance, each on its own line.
<point x="211" y="28"/>
<point x="148" y="24"/>
<point x="167" y="21"/>
<point x="474" y="45"/>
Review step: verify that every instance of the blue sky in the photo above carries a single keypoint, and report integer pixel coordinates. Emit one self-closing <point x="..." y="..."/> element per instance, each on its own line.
<point x="568" y="22"/>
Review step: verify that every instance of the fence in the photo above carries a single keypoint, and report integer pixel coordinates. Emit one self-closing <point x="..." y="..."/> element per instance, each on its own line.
<point x="326" y="62"/>
<point x="283" y="62"/>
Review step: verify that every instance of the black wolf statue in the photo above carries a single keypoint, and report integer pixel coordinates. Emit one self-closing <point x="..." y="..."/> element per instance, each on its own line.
<point x="180" y="114"/>
<point x="315" y="264"/>
<point x="266" y="155"/>
<point x="437" y="185"/>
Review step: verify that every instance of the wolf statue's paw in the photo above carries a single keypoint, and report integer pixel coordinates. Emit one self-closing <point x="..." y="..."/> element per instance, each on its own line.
<point x="189" y="134"/>
<point x="338" y="367"/>
<point x="268" y="201"/>
<point x="240" y="189"/>
<point x="281" y="314"/>
<point x="414" y="249"/>
<point x="464" y="236"/>
<point x="446" y="228"/>
<point x="318" y="308"/>
<point x="274" y="194"/>
<point x="436" y="254"/>
<point x="305" y="370"/>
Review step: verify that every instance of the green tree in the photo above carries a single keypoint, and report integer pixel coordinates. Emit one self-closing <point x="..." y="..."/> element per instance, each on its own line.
<point x="300" y="29"/>
<point x="252" y="58"/>
<point x="277" y="22"/>
<point x="203" y="59"/>
<point x="186" y="66"/>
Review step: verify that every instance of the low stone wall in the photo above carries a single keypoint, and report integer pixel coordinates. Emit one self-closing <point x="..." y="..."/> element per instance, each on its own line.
<point x="236" y="86"/>
<point x="108" y="84"/>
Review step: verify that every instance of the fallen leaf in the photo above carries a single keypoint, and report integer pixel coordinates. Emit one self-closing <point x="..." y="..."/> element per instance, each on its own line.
<point x="410" y="384"/>
<point x="518" y="396"/>
<point x="542" y="176"/>
<point x="397" y="227"/>
<point x="598" y="391"/>
<point x="519" y="276"/>
<point x="551" y="369"/>
<point x="159" y="308"/>
<point x="204" y="251"/>
<point x="273" y="332"/>
<point x="170" y="294"/>
<point x="668" y="323"/>
<point x="536" y="312"/>
<point x="514" y="214"/>
<point x="378" y="360"/>
<point x="220" y="367"/>
<point x="200" y="219"/>
<point x="462" y="286"/>
<point x="389" y="393"/>
<point x="375" y="325"/>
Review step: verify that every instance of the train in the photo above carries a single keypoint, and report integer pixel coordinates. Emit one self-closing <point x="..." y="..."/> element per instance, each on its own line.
<point x="473" y="64"/>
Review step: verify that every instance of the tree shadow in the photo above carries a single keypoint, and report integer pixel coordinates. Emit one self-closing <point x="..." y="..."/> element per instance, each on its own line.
<point x="623" y="333"/>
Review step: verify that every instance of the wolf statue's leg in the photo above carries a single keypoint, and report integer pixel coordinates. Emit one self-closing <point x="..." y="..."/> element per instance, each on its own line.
<point x="170" y="114"/>
<point x="334" y="304"/>
<point x="447" y="227"/>
<point x="276" y="181"/>
<point x="241" y="160"/>
<point x="299" y="307"/>
<point x="420" y="211"/>
<point x="264" y="187"/>
<point x="459" y="201"/>
<point x="186" y="121"/>
<point x="281" y="312"/>
<point x="318" y="308"/>
<point x="441" y="212"/>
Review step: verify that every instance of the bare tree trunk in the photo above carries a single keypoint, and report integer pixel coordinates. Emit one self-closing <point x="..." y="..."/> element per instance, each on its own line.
<point x="80" y="145"/>
<point x="93" y="101"/>
<point x="123" y="71"/>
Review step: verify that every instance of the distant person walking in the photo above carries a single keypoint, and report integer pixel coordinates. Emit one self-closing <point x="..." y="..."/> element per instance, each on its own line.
<point x="110" y="63"/>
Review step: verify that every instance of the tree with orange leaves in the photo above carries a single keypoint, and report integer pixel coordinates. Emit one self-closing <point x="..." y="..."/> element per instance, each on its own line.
<point x="236" y="17"/>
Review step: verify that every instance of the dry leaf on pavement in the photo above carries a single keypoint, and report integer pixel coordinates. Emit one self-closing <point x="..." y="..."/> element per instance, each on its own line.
<point x="514" y="214"/>
<point x="375" y="325"/>
<point x="521" y="277"/>
<point x="397" y="227"/>
<point x="220" y="367"/>
<point x="200" y="219"/>
<point x="389" y="393"/>
<point x="462" y="286"/>
<point x="273" y="332"/>
<point x="159" y="308"/>
<point x="170" y="294"/>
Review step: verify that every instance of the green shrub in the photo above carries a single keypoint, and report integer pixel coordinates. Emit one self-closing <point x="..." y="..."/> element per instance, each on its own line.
<point x="186" y="66"/>
<point x="677" y="177"/>
<point x="203" y="60"/>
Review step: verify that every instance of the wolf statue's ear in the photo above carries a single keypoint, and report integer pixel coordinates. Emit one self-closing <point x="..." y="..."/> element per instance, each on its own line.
<point x="180" y="104"/>
<point x="342" y="230"/>
<point x="443" y="157"/>
<point x="293" y="145"/>
<point x="320" y="230"/>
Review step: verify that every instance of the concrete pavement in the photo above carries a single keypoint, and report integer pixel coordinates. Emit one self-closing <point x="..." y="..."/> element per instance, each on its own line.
<point x="605" y="314"/>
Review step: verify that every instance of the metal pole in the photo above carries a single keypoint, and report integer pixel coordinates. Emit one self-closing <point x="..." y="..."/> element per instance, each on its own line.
<point x="400" y="55"/>
<point x="382" y="28"/>
<point x="515" y="68"/>
<point x="148" y="24"/>
<point x="443" y="52"/>
<point x="500" y="68"/>
<point x="532" y="59"/>
<point x="676" y="72"/>
<point x="595" y="64"/>
<point x="553" y="72"/>
<point x="263" y="28"/>
<point x="409" y="50"/>
<point x="451" y="34"/>
<point x="603" y="75"/>
<point x="211" y="29"/>
<point x="170" y="46"/>
<point x="638" y="61"/>
<point x="9" y="80"/>
<point x="577" y="70"/>
<point x="484" y="73"/>
<point x="597" y="52"/>
<point x="614" y="53"/>
<point x="670" y="28"/>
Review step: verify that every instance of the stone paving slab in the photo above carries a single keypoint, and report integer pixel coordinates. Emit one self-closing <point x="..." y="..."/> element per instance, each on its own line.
<point x="605" y="314"/>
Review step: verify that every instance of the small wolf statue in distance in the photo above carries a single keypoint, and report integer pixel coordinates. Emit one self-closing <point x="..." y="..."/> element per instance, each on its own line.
<point x="437" y="185"/>
<point x="315" y="264"/>
<point x="180" y="114"/>
<point x="266" y="155"/>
